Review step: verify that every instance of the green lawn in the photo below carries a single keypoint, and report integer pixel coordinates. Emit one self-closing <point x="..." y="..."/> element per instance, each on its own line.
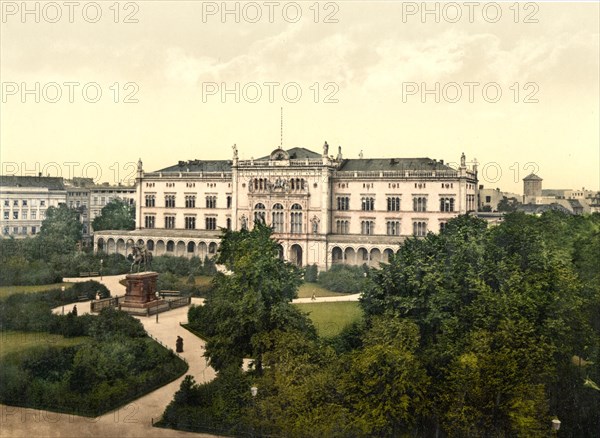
<point x="201" y="280"/>
<point x="10" y="290"/>
<point x="11" y="341"/>
<point x="306" y="290"/>
<point x="331" y="318"/>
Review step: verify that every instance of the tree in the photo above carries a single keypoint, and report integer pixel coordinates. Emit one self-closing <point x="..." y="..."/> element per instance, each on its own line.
<point x="255" y="297"/>
<point x="60" y="232"/>
<point x="496" y="386"/>
<point x="385" y="384"/>
<point x="508" y="204"/>
<point x="431" y="280"/>
<point x="116" y="215"/>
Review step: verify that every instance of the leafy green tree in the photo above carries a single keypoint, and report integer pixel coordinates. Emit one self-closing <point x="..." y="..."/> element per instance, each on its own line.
<point x="299" y="384"/>
<point x="116" y="215"/>
<point x="385" y="384"/>
<point x="496" y="386"/>
<point x="255" y="297"/>
<point x="60" y="232"/>
<point x="508" y="204"/>
<point x="431" y="280"/>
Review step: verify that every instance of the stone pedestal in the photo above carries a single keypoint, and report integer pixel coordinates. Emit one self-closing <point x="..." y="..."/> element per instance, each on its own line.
<point x="141" y="290"/>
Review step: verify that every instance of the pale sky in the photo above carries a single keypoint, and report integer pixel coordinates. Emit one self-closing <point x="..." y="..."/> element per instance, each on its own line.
<point x="362" y="79"/>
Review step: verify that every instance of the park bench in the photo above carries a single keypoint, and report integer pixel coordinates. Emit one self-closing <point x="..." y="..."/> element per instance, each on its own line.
<point x="170" y="293"/>
<point x="88" y="274"/>
<point x="82" y="298"/>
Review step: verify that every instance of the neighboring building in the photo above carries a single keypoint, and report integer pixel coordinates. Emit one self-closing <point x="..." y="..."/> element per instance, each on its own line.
<point x="532" y="189"/>
<point x="492" y="218"/>
<point x="538" y="200"/>
<point x="89" y="198"/>
<point x="490" y="198"/>
<point x="538" y="209"/>
<point x="24" y="201"/>
<point x="102" y="194"/>
<point x="78" y="197"/>
<point x="594" y="202"/>
<point x="323" y="209"/>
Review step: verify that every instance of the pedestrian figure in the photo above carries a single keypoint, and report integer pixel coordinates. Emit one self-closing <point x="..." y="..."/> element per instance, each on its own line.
<point x="179" y="345"/>
<point x="313" y="298"/>
<point x="74" y="312"/>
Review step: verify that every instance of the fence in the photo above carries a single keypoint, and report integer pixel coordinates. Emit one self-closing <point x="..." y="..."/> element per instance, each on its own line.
<point x="164" y="305"/>
<point x="97" y="305"/>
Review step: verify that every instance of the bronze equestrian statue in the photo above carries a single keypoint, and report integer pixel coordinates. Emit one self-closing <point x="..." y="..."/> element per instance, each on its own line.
<point x="141" y="257"/>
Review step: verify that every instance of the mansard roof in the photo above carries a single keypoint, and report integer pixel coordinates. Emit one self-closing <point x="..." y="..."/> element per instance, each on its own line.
<point x="225" y="165"/>
<point x="49" y="182"/>
<point x="297" y="154"/>
<point x="393" y="164"/>
<point x="199" y="166"/>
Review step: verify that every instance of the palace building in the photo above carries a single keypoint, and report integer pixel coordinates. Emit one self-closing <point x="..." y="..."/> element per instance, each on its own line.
<point x="323" y="209"/>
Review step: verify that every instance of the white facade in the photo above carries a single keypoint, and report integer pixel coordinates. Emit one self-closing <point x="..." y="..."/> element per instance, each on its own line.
<point x="323" y="210"/>
<point x="24" y="201"/>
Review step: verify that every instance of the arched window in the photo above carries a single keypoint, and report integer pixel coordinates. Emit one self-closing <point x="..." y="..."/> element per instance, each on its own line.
<point x="393" y="203"/>
<point x="419" y="204"/>
<point x="259" y="213"/>
<point x="278" y="220"/>
<point x="367" y="227"/>
<point x="368" y="204"/>
<point x="419" y="228"/>
<point x="296" y="219"/>
<point x="446" y="204"/>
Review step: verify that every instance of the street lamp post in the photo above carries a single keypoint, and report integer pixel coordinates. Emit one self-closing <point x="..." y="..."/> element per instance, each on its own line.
<point x="62" y="298"/>
<point x="157" y="297"/>
<point x="101" y="264"/>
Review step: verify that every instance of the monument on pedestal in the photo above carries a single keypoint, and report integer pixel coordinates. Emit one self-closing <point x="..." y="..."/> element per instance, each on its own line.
<point x="140" y="295"/>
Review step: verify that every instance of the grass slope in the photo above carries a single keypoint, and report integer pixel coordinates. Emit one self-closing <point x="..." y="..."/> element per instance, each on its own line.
<point x="331" y="318"/>
<point x="5" y="291"/>
<point x="12" y="341"/>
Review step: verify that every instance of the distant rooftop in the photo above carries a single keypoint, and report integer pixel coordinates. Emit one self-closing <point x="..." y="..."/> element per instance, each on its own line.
<point x="540" y="208"/>
<point x="49" y="182"/>
<point x="393" y="164"/>
<point x="298" y="153"/>
<point x="199" y="166"/>
<point x="532" y="177"/>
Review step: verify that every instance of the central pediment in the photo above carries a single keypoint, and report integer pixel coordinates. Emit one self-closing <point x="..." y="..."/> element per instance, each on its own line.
<point x="279" y="155"/>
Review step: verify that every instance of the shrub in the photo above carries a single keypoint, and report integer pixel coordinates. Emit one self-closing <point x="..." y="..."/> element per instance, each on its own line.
<point x="343" y="278"/>
<point x="311" y="274"/>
